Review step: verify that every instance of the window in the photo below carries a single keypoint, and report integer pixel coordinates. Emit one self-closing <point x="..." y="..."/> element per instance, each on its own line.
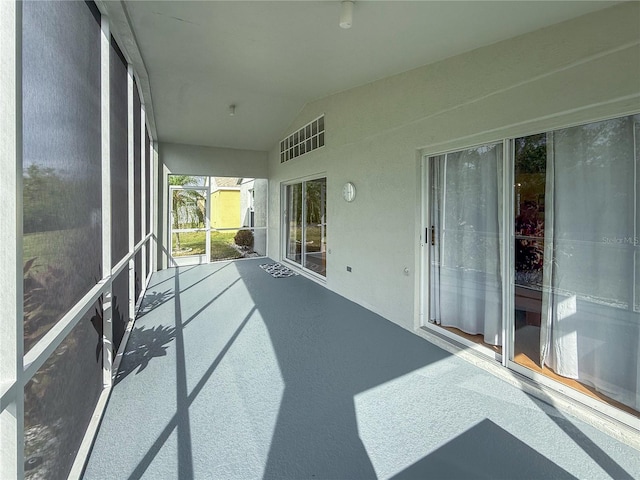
<point x="306" y="224"/>
<point x="576" y="265"/>
<point x="308" y="138"/>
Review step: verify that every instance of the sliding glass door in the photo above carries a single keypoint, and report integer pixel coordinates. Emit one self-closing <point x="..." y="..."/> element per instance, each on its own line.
<point x="464" y="230"/>
<point x="306" y="224"/>
<point x="568" y="211"/>
<point x="577" y="315"/>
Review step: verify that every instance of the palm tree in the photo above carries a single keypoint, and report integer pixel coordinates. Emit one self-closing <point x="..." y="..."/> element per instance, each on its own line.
<point x="185" y="201"/>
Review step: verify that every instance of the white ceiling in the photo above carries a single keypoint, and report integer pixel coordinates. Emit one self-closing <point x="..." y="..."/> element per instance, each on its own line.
<point x="270" y="58"/>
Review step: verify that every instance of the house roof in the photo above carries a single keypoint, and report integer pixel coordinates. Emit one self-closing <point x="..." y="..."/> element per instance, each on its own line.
<point x="226" y="182"/>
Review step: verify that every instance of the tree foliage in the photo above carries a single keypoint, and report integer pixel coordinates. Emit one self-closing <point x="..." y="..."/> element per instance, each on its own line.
<point x="52" y="202"/>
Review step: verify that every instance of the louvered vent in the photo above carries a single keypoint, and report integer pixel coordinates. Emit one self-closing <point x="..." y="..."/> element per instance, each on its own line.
<point x="308" y="138"/>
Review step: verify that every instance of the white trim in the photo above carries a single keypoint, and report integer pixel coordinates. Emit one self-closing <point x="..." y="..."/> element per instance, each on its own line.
<point x="127" y="332"/>
<point x="425" y="284"/>
<point x="636" y="240"/>
<point x="155" y="213"/>
<point x="299" y="267"/>
<point x="143" y="194"/>
<point x="115" y="271"/>
<point x="465" y="343"/>
<point x="197" y="258"/>
<point x="187" y="230"/>
<point x="207" y="221"/>
<point x="11" y="234"/>
<point x="426" y="265"/>
<point x="598" y="407"/>
<point x="508" y="252"/>
<point x="84" y="450"/>
<point x="42" y="350"/>
<point x="107" y="321"/>
<point x="305" y="272"/>
<point x="121" y="30"/>
<point x="131" y="192"/>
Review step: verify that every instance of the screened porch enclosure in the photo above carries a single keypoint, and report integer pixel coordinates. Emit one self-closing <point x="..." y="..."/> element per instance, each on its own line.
<point x="216" y="218"/>
<point x="479" y="294"/>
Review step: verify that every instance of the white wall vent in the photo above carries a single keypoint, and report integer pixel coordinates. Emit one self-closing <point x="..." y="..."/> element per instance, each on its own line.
<point x="308" y="138"/>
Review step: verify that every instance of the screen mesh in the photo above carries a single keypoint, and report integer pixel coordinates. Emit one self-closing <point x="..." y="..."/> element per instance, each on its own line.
<point x="148" y="180"/>
<point x="62" y="160"/>
<point x="119" y="155"/>
<point x="137" y="170"/>
<point x="60" y="399"/>
<point x="138" y="274"/>
<point x="120" y="306"/>
<point x="148" y="206"/>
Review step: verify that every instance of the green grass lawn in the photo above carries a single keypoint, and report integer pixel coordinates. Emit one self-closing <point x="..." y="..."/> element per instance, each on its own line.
<point x="221" y="246"/>
<point x="190" y="243"/>
<point x="314" y="240"/>
<point x="194" y="243"/>
<point x="46" y="247"/>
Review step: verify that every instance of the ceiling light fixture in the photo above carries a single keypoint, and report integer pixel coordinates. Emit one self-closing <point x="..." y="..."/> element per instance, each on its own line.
<point x="346" y="14"/>
<point x="232" y="110"/>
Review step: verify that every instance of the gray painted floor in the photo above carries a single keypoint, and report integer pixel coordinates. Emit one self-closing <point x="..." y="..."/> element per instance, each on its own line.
<point x="233" y="374"/>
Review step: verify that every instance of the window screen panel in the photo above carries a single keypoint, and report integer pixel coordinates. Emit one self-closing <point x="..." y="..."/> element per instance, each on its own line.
<point x="62" y="160"/>
<point x="137" y="170"/>
<point x="148" y="244"/>
<point x="119" y="155"/>
<point x="147" y="206"/>
<point x="138" y="274"/>
<point x="148" y="179"/>
<point x="61" y="398"/>
<point x="120" y="309"/>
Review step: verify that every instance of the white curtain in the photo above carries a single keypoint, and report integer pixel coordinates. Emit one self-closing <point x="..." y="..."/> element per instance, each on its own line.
<point x="590" y="327"/>
<point x="466" y="287"/>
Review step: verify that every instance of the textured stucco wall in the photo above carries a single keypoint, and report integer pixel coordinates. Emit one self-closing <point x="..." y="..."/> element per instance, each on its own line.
<point x="574" y="72"/>
<point x="225" y="209"/>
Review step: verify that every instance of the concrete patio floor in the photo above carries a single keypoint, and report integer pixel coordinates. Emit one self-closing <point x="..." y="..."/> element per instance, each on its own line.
<point x="230" y="373"/>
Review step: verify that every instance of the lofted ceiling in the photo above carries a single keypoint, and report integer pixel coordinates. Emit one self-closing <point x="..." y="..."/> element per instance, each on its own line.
<point x="271" y="58"/>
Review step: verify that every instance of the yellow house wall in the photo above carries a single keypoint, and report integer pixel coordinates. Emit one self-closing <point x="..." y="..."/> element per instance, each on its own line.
<point x="225" y="209"/>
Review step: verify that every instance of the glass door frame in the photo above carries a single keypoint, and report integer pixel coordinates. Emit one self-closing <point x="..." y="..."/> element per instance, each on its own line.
<point x="285" y="224"/>
<point x="509" y="324"/>
<point x="530" y="381"/>
<point x="425" y="260"/>
<point x="189" y="259"/>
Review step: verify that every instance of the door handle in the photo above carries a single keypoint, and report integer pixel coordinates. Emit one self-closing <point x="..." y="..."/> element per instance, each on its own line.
<point x="433" y="235"/>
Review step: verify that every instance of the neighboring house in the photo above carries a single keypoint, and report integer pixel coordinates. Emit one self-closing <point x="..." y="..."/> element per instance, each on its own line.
<point x="225" y="202"/>
<point x="253" y="210"/>
<point x="247" y="202"/>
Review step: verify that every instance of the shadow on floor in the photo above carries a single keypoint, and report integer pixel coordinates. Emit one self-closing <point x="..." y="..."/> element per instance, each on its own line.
<point x="328" y="350"/>
<point x="144" y="345"/>
<point x="485" y="451"/>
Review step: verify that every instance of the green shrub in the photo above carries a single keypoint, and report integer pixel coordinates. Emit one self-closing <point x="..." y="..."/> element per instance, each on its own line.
<point x="244" y="238"/>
